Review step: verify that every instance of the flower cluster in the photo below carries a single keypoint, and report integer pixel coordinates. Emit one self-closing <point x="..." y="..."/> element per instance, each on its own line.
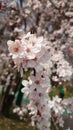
<point x="63" y="68"/>
<point x="20" y="112"/>
<point x="57" y="110"/>
<point x="37" y="89"/>
<point x="38" y="54"/>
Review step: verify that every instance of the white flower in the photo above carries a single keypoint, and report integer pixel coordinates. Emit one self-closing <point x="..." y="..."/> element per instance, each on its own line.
<point x="24" y="110"/>
<point x="25" y="83"/>
<point x="64" y="70"/>
<point x="15" y="48"/>
<point x="20" y="113"/>
<point x="32" y="45"/>
<point x="57" y="56"/>
<point x="15" y="110"/>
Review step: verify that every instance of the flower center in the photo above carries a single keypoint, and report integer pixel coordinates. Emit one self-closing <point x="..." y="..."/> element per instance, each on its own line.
<point x="28" y="49"/>
<point x="36" y="103"/>
<point x="33" y="43"/>
<point x="37" y="82"/>
<point x="16" y="49"/>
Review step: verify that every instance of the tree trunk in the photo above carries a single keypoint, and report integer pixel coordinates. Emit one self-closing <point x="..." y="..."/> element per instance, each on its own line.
<point x="7" y="98"/>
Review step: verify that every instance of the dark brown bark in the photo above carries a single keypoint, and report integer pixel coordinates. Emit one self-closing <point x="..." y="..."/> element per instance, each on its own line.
<point x="7" y="98"/>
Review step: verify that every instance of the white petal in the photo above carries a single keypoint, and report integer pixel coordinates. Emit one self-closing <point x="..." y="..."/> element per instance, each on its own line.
<point x="25" y="83"/>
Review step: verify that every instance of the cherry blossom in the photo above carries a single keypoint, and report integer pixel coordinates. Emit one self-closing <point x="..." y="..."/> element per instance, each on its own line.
<point x="39" y="55"/>
<point x="15" y="48"/>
